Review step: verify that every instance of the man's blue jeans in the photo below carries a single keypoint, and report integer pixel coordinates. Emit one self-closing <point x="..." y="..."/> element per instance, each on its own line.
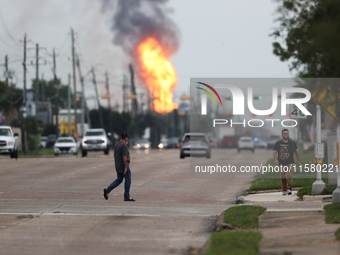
<point x="119" y="180"/>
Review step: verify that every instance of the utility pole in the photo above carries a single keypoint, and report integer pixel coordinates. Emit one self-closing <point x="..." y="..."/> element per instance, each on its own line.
<point x="96" y="90"/>
<point x="74" y="80"/>
<point x="25" y="99"/>
<point x="6" y="67"/>
<point x="124" y="94"/>
<point x="36" y="92"/>
<point x="7" y="74"/>
<point x="56" y="92"/>
<point x="133" y="92"/>
<point x="82" y="99"/>
<point x="109" y="99"/>
<point x="69" y="103"/>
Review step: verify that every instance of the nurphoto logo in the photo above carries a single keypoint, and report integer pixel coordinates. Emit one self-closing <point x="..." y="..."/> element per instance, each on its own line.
<point x="238" y="100"/>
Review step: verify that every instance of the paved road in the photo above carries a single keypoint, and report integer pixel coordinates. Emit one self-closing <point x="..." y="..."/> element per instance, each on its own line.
<point x="55" y="205"/>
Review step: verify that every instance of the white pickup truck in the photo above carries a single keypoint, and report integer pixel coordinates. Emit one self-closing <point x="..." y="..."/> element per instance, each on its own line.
<point x="8" y="141"/>
<point x="95" y="140"/>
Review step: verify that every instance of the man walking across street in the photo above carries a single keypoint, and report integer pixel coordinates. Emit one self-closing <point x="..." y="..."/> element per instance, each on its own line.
<point x="122" y="160"/>
<point x="283" y="153"/>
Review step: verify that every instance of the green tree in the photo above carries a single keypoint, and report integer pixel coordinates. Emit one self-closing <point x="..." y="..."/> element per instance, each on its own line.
<point x="47" y="92"/>
<point x="10" y="100"/>
<point x="33" y="127"/>
<point x="310" y="30"/>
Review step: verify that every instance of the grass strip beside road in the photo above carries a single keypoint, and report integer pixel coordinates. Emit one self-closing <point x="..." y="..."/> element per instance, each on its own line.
<point x="332" y="213"/>
<point x="337" y="234"/>
<point x="245" y="216"/>
<point x="234" y="243"/>
<point x="269" y="181"/>
<point x="238" y="242"/>
<point x="41" y="152"/>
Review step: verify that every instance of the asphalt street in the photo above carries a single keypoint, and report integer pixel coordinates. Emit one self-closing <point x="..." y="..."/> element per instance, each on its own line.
<point x="56" y="205"/>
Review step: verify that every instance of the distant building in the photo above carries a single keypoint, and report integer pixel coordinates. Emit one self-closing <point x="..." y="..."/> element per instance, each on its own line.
<point x="44" y="110"/>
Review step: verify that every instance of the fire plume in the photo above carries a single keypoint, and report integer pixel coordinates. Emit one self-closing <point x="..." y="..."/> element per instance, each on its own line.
<point x="158" y="74"/>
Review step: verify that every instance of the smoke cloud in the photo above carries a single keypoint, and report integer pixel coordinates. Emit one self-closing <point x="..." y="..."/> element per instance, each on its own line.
<point x="135" y="20"/>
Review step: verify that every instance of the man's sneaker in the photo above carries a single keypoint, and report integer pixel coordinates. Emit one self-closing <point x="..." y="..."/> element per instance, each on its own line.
<point x="284" y="193"/>
<point x="289" y="192"/>
<point x="106" y="194"/>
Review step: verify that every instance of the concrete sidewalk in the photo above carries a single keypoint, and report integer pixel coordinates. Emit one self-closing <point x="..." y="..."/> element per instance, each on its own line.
<point x="292" y="226"/>
<point x="271" y="197"/>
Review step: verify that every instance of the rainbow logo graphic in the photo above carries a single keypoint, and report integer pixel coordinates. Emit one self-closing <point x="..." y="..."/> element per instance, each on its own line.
<point x="209" y="93"/>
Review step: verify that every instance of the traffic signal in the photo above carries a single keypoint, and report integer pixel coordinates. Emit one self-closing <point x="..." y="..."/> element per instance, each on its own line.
<point x="229" y="98"/>
<point x="258" y="97"/>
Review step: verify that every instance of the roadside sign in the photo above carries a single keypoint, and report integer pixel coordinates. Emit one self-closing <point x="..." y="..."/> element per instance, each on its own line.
<point x="319" y="150"/>
<point x="296" y="113"/>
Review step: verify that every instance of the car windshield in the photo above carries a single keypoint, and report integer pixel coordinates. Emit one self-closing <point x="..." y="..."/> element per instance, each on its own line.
<point x="65" y="140"/>
<point x="5" y="132"/>
<point x="94" y="133"/>
<point x="173" y="140"/>
<point x="142" y="141"/>
<point x="164" y="140"/>
<point x="195" y="138"/>
<point x="248" y="139"/>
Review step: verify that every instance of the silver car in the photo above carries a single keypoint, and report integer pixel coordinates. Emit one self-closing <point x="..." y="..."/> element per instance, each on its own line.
<point x="195" y="144"/>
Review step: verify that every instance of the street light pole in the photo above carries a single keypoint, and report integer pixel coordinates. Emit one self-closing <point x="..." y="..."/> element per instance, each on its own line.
<point x="336" y="193"/>
<point x="318" y="186"/>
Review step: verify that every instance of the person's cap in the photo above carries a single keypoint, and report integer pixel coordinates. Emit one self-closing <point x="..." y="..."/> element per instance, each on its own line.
<point x="124" y="135"/>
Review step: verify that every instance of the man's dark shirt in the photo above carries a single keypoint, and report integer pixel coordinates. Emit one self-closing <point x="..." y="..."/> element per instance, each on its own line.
<point x="121" y="150"/>
<point x="285" y="152"/>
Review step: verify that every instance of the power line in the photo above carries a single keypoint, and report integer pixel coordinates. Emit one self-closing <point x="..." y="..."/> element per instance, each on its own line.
<point x="7" y="43"/>
<point x="3" y="22"/>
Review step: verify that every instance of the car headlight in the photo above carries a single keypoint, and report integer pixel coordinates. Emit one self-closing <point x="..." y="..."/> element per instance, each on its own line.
<point x="160" y="146"/>
<point x="138" y="146"/>
<point x="10" y="143"/>
<point x="146" y="146"/>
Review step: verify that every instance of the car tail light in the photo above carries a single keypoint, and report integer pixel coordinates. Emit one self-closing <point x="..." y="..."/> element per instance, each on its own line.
<point x="212" y="144"/>
<point x="185" y="141"/>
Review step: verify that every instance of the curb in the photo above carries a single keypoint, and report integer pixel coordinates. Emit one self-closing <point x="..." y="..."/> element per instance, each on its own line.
<point x="219" y="225"/>
<point x="270" y="191"/>
<point x="319" y="198"/>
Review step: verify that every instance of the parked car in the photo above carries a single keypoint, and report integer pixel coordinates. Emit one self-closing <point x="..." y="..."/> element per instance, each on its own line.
<point x="8" y="141"/>
<point x="195" y="144"/>
<point x="51" y="140"/>
<point x="142" y="145"/>
<point x="272" y="140"/>
<point x="245" y="143"/>
<point x="43" y="141"/>
<point x="95" y="140"/>
<point x="229" y="141"/>
<point x="65" y="145"/>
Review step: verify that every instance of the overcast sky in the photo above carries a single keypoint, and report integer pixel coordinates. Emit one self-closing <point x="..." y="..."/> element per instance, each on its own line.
<point x="218" y="38"/>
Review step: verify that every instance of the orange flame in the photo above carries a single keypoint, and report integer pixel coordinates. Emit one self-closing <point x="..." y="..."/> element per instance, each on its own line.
<point x="158" y="73"/>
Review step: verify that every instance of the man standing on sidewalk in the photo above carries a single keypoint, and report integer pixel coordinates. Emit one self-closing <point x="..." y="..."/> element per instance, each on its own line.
<point x="122" y="160"/>
<point x="283" y="153"/>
